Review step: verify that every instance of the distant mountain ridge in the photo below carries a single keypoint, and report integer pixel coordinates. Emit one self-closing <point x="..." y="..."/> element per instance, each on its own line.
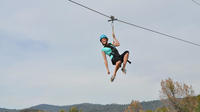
<point x="88" y="107"/>
<point x="8" y="110"/>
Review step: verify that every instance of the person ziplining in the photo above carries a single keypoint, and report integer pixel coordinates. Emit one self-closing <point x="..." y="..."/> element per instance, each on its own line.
<point x="111" y="50"/>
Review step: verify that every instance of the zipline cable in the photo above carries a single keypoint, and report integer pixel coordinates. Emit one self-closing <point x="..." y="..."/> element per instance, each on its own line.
<point x="173" y="37"/>
<point x="198" y="3"/>
<point x="89" y="8"/>
<point x="114" y="19"/>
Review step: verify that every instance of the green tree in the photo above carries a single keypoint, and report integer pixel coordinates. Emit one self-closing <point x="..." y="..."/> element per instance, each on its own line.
<point x="198" y="107"/>
<point x="135" y="106"/>
<point x="31" y="110"/>
<point x="74" y="109"/>
<point x="80" y="110"/>
<point x="62" y="111"/>
<point x="162" y="109"/>
<point x="149" y="111"/>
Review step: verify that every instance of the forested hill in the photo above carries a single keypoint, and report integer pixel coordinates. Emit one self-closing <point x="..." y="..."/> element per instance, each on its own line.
<point x="87" y="107"/>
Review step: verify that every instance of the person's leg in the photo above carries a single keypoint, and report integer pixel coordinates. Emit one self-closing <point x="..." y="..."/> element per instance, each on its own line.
<point x="125" y="59"/>
<point x="118" y="64"/>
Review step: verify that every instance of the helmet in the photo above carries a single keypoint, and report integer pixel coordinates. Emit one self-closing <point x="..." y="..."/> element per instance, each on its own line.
<point x="103" y="36"/>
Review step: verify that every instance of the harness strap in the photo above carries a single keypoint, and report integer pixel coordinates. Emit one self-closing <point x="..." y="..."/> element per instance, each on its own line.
<point x="129" y="61"/>
<point x="114" y="51"/>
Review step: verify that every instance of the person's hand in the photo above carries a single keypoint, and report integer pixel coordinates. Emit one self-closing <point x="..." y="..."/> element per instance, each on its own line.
<point x="108" y="72"/>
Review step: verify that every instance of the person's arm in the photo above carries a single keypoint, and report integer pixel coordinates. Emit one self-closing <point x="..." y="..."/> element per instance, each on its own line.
<point x="115" y="41"/>
<point x="105" y="62"/>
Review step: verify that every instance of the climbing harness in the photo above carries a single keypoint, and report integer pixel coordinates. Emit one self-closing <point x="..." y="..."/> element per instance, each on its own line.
<point x="114" y="52"/>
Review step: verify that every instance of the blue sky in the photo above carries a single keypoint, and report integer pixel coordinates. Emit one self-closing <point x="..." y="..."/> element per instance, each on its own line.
<point x="50" y="51"/>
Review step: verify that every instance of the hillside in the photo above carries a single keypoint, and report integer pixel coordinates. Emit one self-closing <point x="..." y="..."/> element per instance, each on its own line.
<point x="8" y="110"/>
<point x="87" y="107"/>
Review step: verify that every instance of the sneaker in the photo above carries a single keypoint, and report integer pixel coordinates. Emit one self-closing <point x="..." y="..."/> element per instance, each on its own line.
<point x="124" y="71"/>
<point x="112" y="78"/>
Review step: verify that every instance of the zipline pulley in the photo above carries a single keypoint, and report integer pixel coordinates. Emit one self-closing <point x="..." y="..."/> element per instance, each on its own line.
<point x="112" y="19"/>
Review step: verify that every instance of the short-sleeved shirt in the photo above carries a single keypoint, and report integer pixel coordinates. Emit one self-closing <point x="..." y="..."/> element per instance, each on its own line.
<point x="108" y="50"/>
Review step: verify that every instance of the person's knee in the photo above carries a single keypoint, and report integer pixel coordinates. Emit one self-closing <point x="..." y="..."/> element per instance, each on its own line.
<point x="127" y="52"/>
<point x="118" y="62"/>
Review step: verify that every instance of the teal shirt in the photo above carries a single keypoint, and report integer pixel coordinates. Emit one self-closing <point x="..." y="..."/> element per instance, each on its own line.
<point x="108" y="51"/>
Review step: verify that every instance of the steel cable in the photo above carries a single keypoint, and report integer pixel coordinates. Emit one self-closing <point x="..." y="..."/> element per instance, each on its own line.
<point x="112" y="18"/>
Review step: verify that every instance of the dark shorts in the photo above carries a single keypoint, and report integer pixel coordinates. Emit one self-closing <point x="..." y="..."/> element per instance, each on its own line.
<point x="119" y="58"/>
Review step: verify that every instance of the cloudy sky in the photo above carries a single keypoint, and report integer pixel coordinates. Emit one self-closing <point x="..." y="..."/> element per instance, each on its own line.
<point x="50" y="51"/>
